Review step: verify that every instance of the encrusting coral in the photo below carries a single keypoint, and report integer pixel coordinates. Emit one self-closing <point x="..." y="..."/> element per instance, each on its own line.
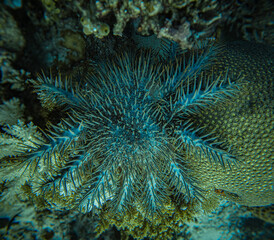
<point x="152" y="138"/>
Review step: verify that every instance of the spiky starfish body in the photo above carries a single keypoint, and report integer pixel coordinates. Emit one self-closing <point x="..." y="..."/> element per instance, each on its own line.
<point x="130" y="132"/>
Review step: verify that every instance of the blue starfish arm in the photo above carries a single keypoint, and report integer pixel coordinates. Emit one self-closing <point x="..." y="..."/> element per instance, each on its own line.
<point x="99" y="191"/>
<point x="155" y="191"/>
<point x="57" y="91"/>
<point x="151" y="200"/>
<point x="124" y="194"/>
<point x="183" y="69"/>
<point x="203" y="146"/>
<point x="57" y="143"/>
<point x="180" y="179"/>
<point x="68" y="179"/>
<point x="169" y="50"/>
<point x="204" y="93"/>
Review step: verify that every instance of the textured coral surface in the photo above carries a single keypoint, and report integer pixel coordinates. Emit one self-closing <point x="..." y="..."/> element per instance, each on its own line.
<point x="246" y="123"/>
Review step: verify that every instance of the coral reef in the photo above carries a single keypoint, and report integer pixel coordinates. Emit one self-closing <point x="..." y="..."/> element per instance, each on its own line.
<point x="257" y="23"/>
<point x="95" y="158"/>
<point x="12" y="42"/>
<point x="226" y="222"/>
<point x="11" y="111"/>
<point x="173" y="117"/>
<point x="15" y="77"/>
<point x="11" y="37"/>
<point x="182" y="21"/>
<point x="141" y="134"/>
<point x="45" y="26"/>
<point x="26" y="222"/>
<point x="254" y="187"/>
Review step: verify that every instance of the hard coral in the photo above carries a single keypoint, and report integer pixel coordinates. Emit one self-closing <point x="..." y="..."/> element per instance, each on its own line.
<point x="11" y="37"/>
<point x="246" y="125"/>
<point x="182" y="21"/>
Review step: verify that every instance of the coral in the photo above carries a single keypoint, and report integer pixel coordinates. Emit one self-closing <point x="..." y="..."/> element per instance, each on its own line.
<point x="46" y="224"/>
<point x="182" y="34"/>
<point x="184" y="22"/>
<point x="9" y="74"/>
<point x="257" y="23"/>
<point x="181" y="21"/>
<point x="75" y="43"/>
<point x="52" y="10"/>
<point x="12" y="142"/>
<point x="90" y="24"/>
<point x="11" y="37"/>
<point x="265" y="213"/>
<point x="46" y="23"/>
<point x="134" y="224"/>
<point x="11" y="111"/>
<point x="219" y="135"/>
<point x="246" y="123"/>
<point x="220" y="224"/>
<point x="50" y="6"/>
<point x="151" y="138"/>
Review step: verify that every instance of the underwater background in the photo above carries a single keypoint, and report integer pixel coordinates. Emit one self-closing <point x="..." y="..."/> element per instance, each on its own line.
<point x="136" y="119"/>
